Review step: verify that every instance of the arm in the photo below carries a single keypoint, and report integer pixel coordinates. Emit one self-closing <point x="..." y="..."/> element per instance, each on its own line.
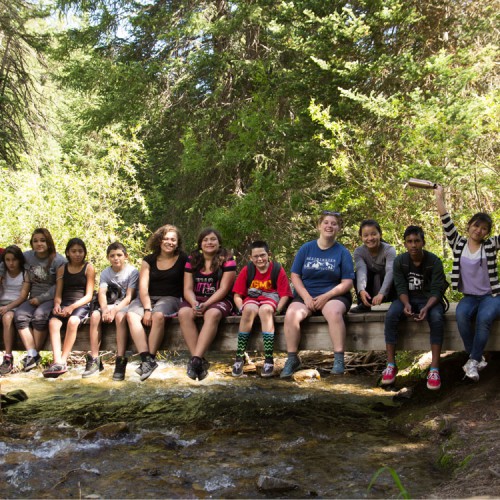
<point x="226" y="285"/>
<point x="58" y="294"/>
<point x="189" y="295"/>
<point x="238" y="301"/>
<point x="401" y="286"/>
<point x="390" y="255"/>
<point x="361" y="276"/>
<point x="144" y="293"/>
<point x="341" y="289"/>
<point x="441" y="206"/>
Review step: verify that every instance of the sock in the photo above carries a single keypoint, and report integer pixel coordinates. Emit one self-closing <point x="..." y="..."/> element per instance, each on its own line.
<point x="392" y="364"/>
<point x="242" y="343"/>
<point x="32" y="352"/>
<point x="432" y="369"/>
<point x="145" y="356"/>
<point x="7" y="356"/>
<point x="268" y="338"/>
<point x="292" y="355"/>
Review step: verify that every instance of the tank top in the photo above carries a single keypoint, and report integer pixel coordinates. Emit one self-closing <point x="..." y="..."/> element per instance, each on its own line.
<point x="11" y="287"/>
<point x="74" y="285"/>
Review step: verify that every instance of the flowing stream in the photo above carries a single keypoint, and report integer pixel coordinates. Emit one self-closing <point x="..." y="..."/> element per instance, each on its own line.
<point x="212" y="439"/>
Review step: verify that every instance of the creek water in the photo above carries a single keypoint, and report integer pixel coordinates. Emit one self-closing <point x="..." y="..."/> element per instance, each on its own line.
<point x="209" y="439"/>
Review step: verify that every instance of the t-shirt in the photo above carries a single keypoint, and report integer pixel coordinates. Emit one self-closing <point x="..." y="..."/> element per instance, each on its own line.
<point x="169" y="282"/>
<point x="10" y="289"/>
<point x="205" y="285"/>
<point x="128" y="277"/>
<point x="322" y="270"/>
<point x="262" y="281"/>
<point x="415" y="281"/>
<point x="474" y="278"/>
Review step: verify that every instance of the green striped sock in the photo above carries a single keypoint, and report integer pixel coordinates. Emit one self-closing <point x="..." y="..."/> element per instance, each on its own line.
<point x="242" y="343"/>
<point x="268" y="338"/>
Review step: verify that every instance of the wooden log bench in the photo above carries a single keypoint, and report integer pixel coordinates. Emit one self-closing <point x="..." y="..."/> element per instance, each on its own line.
<point x="365" y="332"/>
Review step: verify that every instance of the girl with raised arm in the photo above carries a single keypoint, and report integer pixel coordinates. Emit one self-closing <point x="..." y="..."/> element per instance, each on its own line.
<point x="474" y="273"/>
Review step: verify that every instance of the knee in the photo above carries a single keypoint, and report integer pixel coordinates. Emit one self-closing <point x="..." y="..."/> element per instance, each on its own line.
<point x="158" y="319"/>
<point x="73" y="322"/>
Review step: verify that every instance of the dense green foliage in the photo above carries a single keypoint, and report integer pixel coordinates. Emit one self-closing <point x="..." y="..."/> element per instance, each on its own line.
<point x="253" y="115"/>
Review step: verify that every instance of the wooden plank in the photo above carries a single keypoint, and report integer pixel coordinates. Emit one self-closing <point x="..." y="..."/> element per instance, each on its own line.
<point x="365" y="332"/>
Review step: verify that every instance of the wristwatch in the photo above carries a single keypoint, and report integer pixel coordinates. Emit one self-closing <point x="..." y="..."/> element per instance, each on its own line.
<point x="146" y="310"/>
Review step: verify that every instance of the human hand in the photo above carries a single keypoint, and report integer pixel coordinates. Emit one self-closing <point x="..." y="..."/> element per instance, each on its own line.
<point x="147" y="319"/>
<point x="365" y="298"/>
<point x="34" y="302"/>
<point x="378" y="299"/>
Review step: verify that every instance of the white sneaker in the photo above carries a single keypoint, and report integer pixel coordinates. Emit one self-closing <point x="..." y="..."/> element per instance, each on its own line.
<point x="470" y="368"/>
<point x="482" y="364"/>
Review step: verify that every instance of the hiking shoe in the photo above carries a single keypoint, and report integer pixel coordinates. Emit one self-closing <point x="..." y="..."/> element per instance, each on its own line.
<point x="30" y="362"/>
<point x="482" y="364"/>
<point x="360" y="308"/>
<point x="203" y="372"/>
<point x="238" y="367"/>
<point x="389" y="375"/>
<point x="338" y="366"/>
<point x="268" y="368"/>
<point x="7" y="365"/>
<point x="433" y="380"/>
<point x="138" y="370"/>
<point x="470" y="368"/>
<point x="120" y="368"/>
<point x="148" y="367"/>
<point x="93" y="366"/>
<point x="191" y="370"/>
<point x="291" y="366"/>
<point x="55" y="370"/>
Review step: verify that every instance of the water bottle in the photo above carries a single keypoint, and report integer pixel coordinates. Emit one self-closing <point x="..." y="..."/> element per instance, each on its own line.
<point x="421" y="183"/>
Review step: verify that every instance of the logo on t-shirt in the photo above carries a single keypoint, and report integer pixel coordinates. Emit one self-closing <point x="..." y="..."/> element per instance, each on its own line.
<point x="319" y="264"/>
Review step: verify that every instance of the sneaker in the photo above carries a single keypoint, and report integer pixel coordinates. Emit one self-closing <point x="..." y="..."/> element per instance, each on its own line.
<point x="120" y="368"/>
<point x="7" y="365"/>
<point x="148" y="367"/>
<point x="93" y="366"/>
<point x="203" y="372"/>
<point x="470" y="368"/>
<point x="238" y="367"/>
<point x="482" y="364"/>
<point x="138" y="370"/>
<point x="338" y="366"/>
<point x="268" y="368"/>
<point x="191" y="371"/>
<point x="389" y="375"/>
<point x="433" y="380"/>
<point x="360" y="308"/>
<point x="291" y="366"/>
<point x="55" y="370"/>
<point x="30" y="362"/>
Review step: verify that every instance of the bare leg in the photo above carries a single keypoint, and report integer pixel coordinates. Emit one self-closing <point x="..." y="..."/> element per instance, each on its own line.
<point x="95" y="333"/>
<point x="208" y="331"/>
<point x="27" y="338"/>
<point x="188" y="328"/>
<point x="70" y="337"/>
<point x="137" y="332"/>
<point x="55" y="338"/>
<point x="157" y="332"/>
<point x="9" y="332"/>
<point x="247" y="317"/>
<point x="334" y="311"/>
<point x="121" y="333"/>
<point x="266" y="315"/>
<point x="295" y="314"/>
<point x="39" y="337"/>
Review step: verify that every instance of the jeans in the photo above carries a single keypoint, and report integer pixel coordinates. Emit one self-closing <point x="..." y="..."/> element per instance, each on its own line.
<point x="484" y="309"/>
<point x="435" y="318"/>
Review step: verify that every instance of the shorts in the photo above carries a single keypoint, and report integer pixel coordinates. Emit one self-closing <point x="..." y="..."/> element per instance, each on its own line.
<point x="80" y="312"/>
<point x="224" y="306"/>
<point x="167" y="305"/>
<point x="260" y="301"/>
<point x="345" y="299"/>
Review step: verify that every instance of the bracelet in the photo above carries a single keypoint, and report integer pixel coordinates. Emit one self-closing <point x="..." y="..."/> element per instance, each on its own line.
<point x="147" y="310"/>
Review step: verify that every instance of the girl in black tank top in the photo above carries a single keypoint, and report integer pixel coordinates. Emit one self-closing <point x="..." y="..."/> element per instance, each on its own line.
<point x="74" y="289"/>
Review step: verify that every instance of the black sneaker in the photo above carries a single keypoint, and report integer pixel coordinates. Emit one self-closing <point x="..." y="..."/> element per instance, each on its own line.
<point x="7" y="365"/>
<point x="360" y="308"/>
<point x="148" y="367"/>
<point x="191" y="371"/>
<point x="239" y="363"/>
<point x="268" y="368"/>
<point x="120" y="368"/>
<point x="93" y="366"/>
<point x="203" y="372"/>
<point x="30" y="362"/>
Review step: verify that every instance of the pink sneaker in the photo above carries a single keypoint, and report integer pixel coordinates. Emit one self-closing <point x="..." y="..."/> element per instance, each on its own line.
<point x="433" y="380"/>
<point x="389" y="375"/>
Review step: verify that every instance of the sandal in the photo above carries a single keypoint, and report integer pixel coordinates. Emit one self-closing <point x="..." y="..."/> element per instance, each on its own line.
<point x="54" y="370"/>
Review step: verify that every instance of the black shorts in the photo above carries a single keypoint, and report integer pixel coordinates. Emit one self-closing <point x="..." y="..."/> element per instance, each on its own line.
<point x="345" y="299"/>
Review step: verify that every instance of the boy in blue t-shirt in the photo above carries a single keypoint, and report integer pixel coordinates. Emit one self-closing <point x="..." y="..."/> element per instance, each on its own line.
<point x="117" y="287"/>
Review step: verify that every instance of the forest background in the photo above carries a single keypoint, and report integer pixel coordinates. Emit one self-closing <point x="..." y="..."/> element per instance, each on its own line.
<point x="251" y="116"/>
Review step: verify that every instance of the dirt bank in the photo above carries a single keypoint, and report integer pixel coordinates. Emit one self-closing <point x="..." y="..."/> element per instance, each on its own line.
<point x="464" y="419"/>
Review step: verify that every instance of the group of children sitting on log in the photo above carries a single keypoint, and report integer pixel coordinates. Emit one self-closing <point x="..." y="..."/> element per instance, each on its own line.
<point x="42" y="290"/>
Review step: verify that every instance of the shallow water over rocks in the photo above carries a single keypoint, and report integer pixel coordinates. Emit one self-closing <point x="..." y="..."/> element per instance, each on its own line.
<point x="219" y="438"/>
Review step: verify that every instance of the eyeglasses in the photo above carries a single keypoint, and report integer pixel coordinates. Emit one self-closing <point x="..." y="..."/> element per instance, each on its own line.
<point x="329" y="212"/>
